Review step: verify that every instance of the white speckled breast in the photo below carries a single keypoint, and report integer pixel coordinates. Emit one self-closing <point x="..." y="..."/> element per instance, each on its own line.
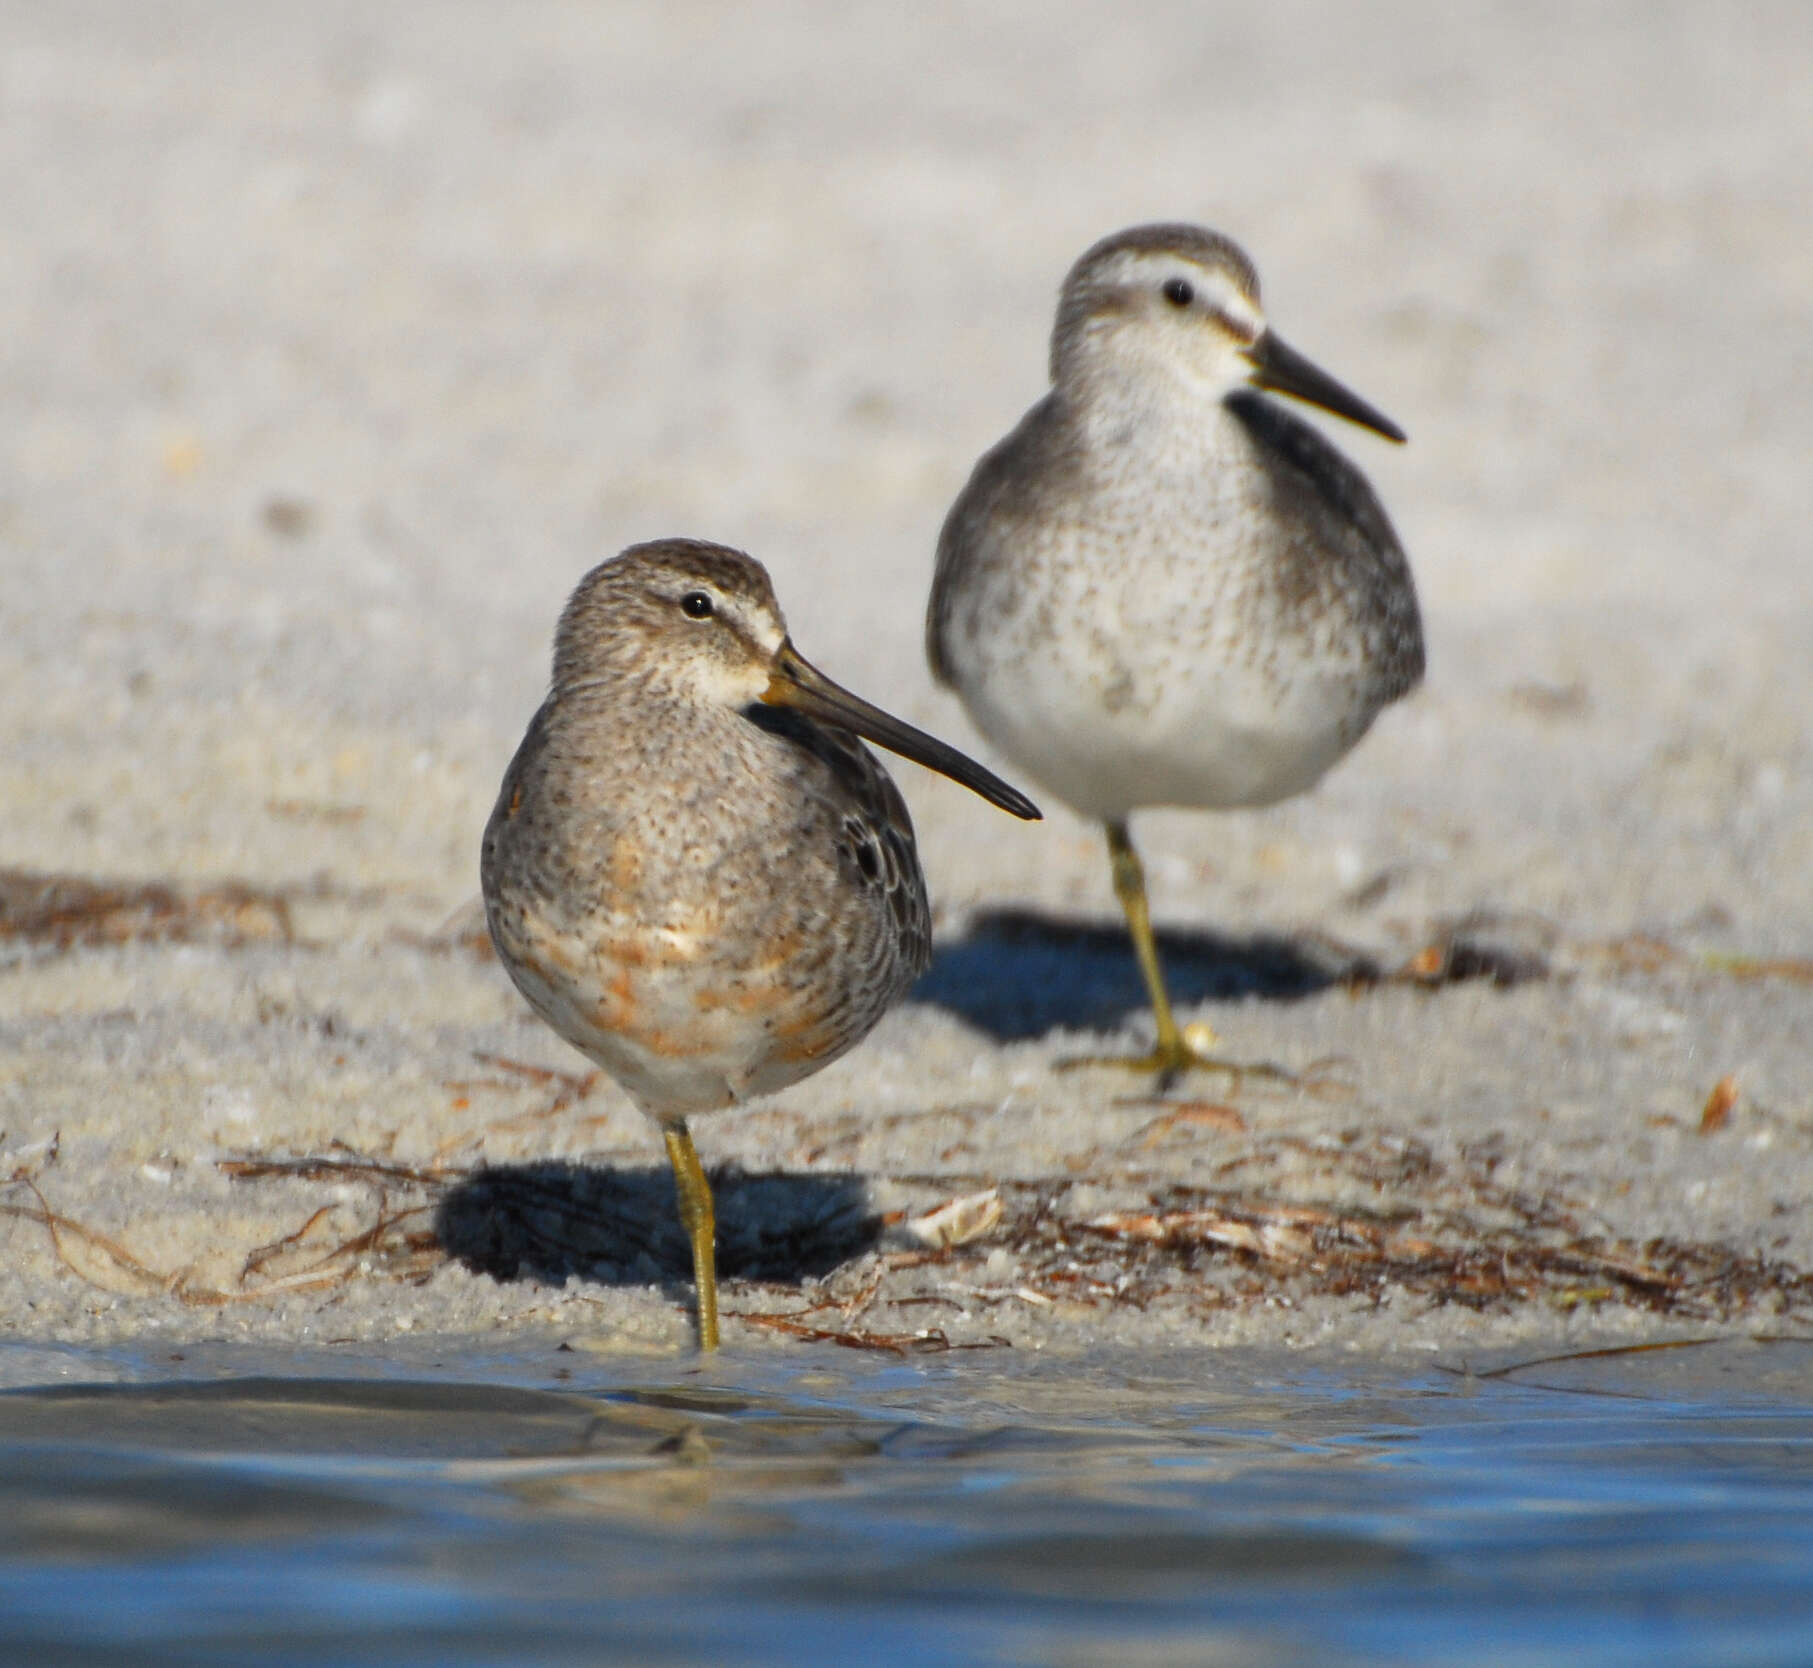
<point x="1200" y="608"/>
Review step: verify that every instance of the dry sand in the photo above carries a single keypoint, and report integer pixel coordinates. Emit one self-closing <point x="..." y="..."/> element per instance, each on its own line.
<point x="335" y="342"/>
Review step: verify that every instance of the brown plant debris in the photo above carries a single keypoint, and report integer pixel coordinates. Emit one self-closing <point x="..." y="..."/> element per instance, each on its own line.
<point x="317" y="1256"/>
<point x="562" y="1090"/>
<point x="928" y="1341"/>
<point x="330" y="813"/>
<point x="328" y="1168"/>
<point x="1505" y="949"/>
<point x="1513" y="949"/>
<point x="1441" y="1232"/>
<point x="1369" y="1216"/>
<point x="1192" y="1116"/>
<point x="1609" y="1352"/>
<point x="1797" y="969"/>
<point x="463" y="931"/>
<point x="90" y="1255"/>
<point x="1648" y="953"/>
<point x="1716" y="1113"/>
<point x="66" y="911"/>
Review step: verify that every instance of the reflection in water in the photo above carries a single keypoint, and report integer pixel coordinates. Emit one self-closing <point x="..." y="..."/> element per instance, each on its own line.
<point x="797" y="1508"/>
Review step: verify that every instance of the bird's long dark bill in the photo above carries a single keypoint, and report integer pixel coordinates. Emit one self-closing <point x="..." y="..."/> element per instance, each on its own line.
<point x="798" y="684"/>
<point x="1279" y="367"/>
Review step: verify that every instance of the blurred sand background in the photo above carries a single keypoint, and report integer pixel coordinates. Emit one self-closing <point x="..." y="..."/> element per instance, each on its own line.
<point x="337" y="341"/>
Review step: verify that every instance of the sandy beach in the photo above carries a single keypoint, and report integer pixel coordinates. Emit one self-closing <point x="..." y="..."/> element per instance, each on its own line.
<point x="335" y="344"/>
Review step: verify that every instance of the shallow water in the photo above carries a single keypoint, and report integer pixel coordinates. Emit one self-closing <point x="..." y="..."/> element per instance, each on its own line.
<point x="812" y="1507"/>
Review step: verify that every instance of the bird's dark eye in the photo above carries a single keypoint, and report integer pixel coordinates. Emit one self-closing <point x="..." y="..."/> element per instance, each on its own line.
<point x="696" y="605"/>
<point x="1178" y="292"/>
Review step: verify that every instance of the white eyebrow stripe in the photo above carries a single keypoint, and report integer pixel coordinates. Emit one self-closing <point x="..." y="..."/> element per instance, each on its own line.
<point x="1231" y="302"/>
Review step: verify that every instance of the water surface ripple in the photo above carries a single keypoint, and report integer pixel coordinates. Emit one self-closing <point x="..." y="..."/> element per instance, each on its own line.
<point x="807" y="1507"/>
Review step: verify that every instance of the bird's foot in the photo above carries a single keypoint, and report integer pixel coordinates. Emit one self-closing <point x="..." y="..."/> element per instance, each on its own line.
<point x="1190" y="1049"/>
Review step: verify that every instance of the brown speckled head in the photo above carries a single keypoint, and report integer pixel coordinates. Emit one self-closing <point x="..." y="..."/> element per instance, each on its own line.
<point x="684" y="621"/>
<point x="686" y="616"/>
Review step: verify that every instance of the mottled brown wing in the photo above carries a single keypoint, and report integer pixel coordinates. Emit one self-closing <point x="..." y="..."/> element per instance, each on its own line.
<point x="1354" y="523"/>
<point x="875" y="831"/>
<point x="980" y="542"/>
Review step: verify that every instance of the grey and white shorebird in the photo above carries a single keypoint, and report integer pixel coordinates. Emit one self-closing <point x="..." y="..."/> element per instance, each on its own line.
<point x="1164" y="588"/>
<point x="695" y="872"/>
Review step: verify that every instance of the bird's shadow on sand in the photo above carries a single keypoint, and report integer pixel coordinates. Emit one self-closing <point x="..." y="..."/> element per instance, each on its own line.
<point x="552" y="1220"/>
<point x="1018" y="974"/>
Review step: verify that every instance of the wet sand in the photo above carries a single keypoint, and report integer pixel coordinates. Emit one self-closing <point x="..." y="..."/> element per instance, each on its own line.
<point x="336" y="345"/>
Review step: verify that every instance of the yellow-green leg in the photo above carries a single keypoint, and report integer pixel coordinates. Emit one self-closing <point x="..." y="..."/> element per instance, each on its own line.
<point x="693" y="1193"/>
<point x="1174" y="1053"/>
